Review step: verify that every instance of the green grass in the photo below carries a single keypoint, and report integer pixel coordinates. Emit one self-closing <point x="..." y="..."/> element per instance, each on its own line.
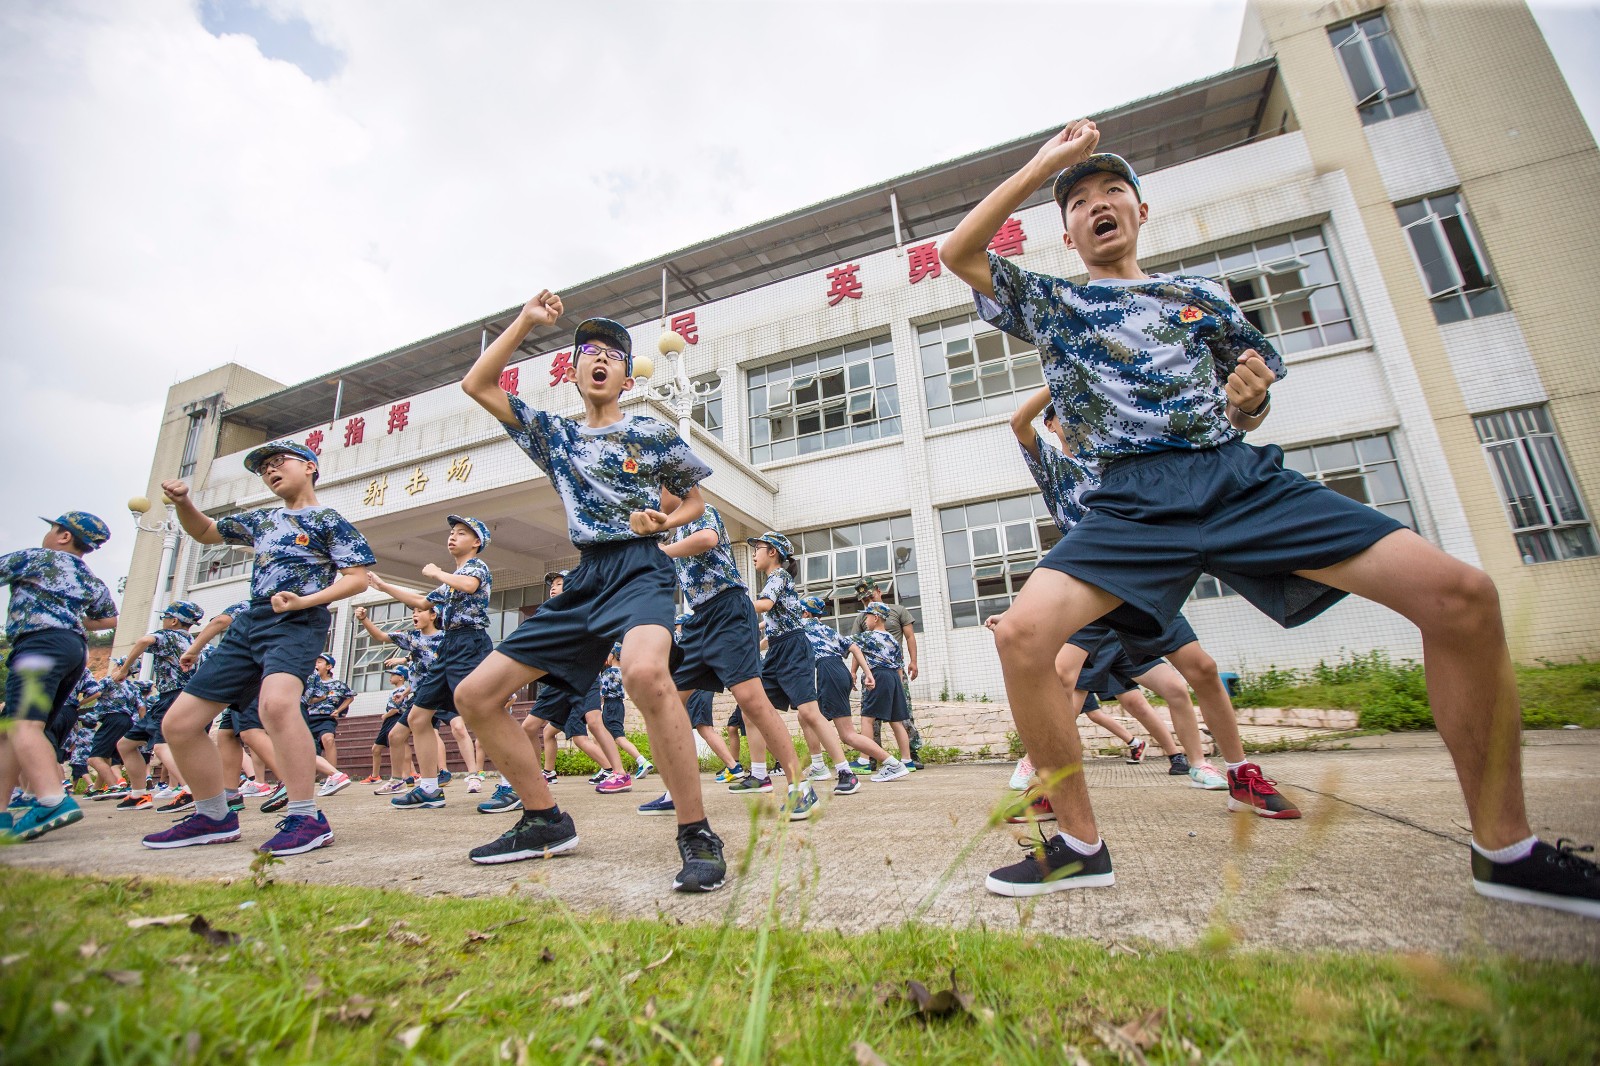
<point x="544" y="985"/>
<point x="1393" y="696"/>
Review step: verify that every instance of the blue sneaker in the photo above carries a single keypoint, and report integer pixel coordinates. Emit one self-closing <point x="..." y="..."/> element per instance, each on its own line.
<point x="419" y="798"/>
<point x="642" y="771"/>
<point x="664" y="805"/>
<point x="444" y="777"/>
<point x="861" y="765"/>
<point x="299" y="833"/>
<point x="730" y="774"/>
<point x="36" y="821"/>
<point x="800" y="802"/>
<point x="5" y="824"/>
<point x="505" y="799"/>
<point x="196" y="829"/>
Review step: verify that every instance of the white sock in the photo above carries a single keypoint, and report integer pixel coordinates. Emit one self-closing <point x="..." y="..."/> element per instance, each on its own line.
<point x="817" y="760"/>
<point x="1232" y="766"/>
<point x="892" y="761"/>
<point x="1510" y="853"/>
<point x="759" y="769"/>
<point x="305" y="807"/>
<point x="429" y="784"/>
<point x="1079" y="846"/>
<point x="667" y="795"/>
<point x="50" y="800"/>
<point x="842" y="768"/>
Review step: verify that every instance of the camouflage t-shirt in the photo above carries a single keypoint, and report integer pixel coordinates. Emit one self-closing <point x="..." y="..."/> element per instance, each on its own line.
<point x="878" y="648"/>
<point x="611" y="683"/>
<point x="1133" y="366"/>
<point x="826" y="643"/>
<point x="785" y="615"/>
<point x="464" y="610"/>
<point x="52" y="590"/>
<point x="296" y="551"/>
<point x="712" y="571"/>
<point x="169" y="646"/>
<point x="424" y="650"/>
<point x="1063" y="479"/>
<point x="603" y="475"/>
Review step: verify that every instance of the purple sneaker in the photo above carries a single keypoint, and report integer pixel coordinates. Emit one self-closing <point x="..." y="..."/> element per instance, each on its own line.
<point x="196" y="829"/>
<point x="298" y="834"/>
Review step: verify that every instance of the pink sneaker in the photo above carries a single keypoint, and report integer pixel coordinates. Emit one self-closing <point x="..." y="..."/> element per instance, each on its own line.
<point x="615" y="783"/>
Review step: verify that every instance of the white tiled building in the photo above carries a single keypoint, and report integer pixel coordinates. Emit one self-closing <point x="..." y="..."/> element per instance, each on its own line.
<point x="860" y="408"/>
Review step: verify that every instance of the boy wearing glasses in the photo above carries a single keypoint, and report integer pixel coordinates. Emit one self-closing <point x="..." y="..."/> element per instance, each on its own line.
<point x="609" y="470"/>
<point x="307" y="556"/>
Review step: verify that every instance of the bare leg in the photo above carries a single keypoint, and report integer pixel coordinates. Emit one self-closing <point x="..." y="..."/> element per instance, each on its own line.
<point x="1472" y="688"/>
<point x="547" y="739"/>
<point x="1050" y="608"/>
<point x="648" y="681"/>
<point x="714" y="741"/>
<point x="1167" y="683"/>
<point x="426" y="739"/>
<point x="188" y="749"/>
<point x="758" y="747"/>
<point x="465" y="745"/>
<point x="1200" y="671"/>
<point x="291" y="738"/>
<point x="103" y="772"/>
<point x="817" y="726"/>
<point x="174" y="771"/>
<point x="330" y="751"/>
<point x="265" y="753"/>
<point x="736" y="744"/>
<point x="601" y="738"/>
<point x="133" y="764"/>
<point x="377" y="760"/>
<point x="400" y="762"/>
<point x="481" y="699"/>
<point x="1110" y="725"/>
<point x="902" y="737"/>
<point x="232" y="754"/>
<point x="596" y="754"/>
<point x="770" y="727"/>
<point x="1134" y="703"/>
<point x="27" y="756"/>
<point x="850" y="737"/>
<point x="624" y="744"/>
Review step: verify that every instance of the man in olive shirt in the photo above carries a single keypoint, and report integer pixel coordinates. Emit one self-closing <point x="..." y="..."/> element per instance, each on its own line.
<point x="902" y="626"/>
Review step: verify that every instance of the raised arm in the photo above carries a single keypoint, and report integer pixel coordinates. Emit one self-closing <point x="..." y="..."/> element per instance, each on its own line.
<point x="208" y="632"/>
<point x="1248" y="400"/>
<point x="405" y="596"/>
<point x="966" y="250"/>
<point x="648" y="523"/>
<point x="140" y="646"/>
<point x="372" y="631"/>
<point x="194" y="521"/>
<point x="351" y="580"/>
<point x="460" y="582"/>
<point x="1022" y="420"/>
<point x="482" y="382"/>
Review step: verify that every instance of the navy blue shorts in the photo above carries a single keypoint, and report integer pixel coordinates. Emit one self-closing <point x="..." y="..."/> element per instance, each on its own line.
<point x="1109" y="668"/>
<point x="242" y="719"/>
<point x="1090" y="703"/>
<point x="258" y="643"/>
<point x="58" y="656"/>
<point x="736" y="719"/>
<point x="321" y="726"/>
<point x="59" y="726"/>
<point x="459" y="654"/>
<point x="614" y="715"/>
<point x="442" y="719"/>
<point x="720" y="643"/>
<point x="1160" y="520"/>
<point x="700" y="703"/>
<point x="1177" y="633"/>
<point x="883" y="701"/>
<point x="148" y="728"/>
<point x="112" y="728"/>
<point x="614" y="588"/>
<point x="389" y="722"/>
<point x="789" y="672"/>
<point x="561" y="709"/>
<point x="833" y="687"/>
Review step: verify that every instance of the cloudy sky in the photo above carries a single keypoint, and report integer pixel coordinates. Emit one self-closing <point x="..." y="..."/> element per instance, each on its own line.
<point x="298" y="184"/>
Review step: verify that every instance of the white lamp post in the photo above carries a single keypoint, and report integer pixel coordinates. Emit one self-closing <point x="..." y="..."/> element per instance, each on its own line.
<point x="169" y="528"/>
<point x="677" y="391"/>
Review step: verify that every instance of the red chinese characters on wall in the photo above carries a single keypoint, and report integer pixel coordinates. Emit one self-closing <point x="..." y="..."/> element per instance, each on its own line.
<point x="559" y="367"/>
<point x="314" y="441"/>
<point x="355" y="431"/>
<point x="843" y="284"/>
<point x="508" y="379"/>
<point x="684" y="326"/>
<point x="1008" y="240"/>
<point x="399" y="416"/>
<point x="923" y="261"/>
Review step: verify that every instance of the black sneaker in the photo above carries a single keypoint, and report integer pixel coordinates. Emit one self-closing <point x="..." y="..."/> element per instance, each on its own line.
<point x="1555" y="877"/>
<point x="235" y="802"/>
<point x="703" y="867"/>
<point x="848" y="784"/>
<point x="1052" y="866"/>
<point x="277" y="801"/>
<point x="532" y="837"/>
<point x="1180" y="765"/>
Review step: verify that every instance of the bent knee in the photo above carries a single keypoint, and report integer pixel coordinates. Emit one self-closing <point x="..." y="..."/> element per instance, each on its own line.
<point x="644" y="676"/>
<point x="1467" y="598"/>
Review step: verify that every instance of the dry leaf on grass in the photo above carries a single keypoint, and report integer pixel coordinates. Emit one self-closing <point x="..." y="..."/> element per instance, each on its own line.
<point x="362" y="924"/>
<point x="1145" y="1031"/>
<point x="12" y="960"/>
<point x="409" y="1037"/>
<point x="938" y="1004"/>
<point x="633" y="975"/>
<point x="547" y="955"/>
<point x="1117" y="947"/>
<point x="865" y="1056"/>
<point x="123" y="977"/>
<point x="1119" y="1044"/>
<point x="211" y="934"/>
<point x="576" y="999"/>
<point x="508" y="923"/>
<point x="357" y="1010"/>
<point x="88" y="949"/>
<point x="163" y="920"/>
<point x="314" y="987"/>
<point x="411" y="940"/>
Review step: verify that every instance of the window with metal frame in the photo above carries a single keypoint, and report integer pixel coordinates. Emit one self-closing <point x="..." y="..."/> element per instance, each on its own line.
<point x="707" y="410"/>
<point x="1286" y="286"/>
<point x="831" y="561"/>
<point x="364" y="668"/>
<point x="219" y="562"/>
<point x="191" y="443"/>
<point x="1547" y="514"/>
<point x="1365" y="469"/>
<point x="990" y="548"/>
<point x="1454" y="267"/>
<point x="509" y="608"/>
<point x="970" y="369"/>
<point x="1375" y="69"/>
<point x="808" y="403"/>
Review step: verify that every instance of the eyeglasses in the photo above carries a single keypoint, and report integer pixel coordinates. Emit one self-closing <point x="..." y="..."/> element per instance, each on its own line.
<point x="609" y="353"/>
<point x="273" y="462"/>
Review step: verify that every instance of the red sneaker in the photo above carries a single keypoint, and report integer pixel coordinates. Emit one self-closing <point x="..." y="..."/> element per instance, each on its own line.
<point x="1248" y="790"/>
<point x="1037" y="811"/>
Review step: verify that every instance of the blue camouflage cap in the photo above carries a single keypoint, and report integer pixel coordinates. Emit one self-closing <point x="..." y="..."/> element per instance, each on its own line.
<point x="401" y="670"/>
<point x="479" y="530"/>
<point x="814" y="605"/>
<point x="87" y="529"/>
<point x="609" y="330"/>
<point x="328" y="658"/>
<point x="257" y="456"/>
<point x="881" y="610"/>
<point x="776" y="540"/>
<point x="1103" y="162"/>
<point x="186" y="611"/>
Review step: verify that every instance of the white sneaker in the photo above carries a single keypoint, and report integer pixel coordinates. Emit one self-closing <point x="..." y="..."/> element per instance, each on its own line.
<point x="891" y="771"/>
<point x="474" y="782"/>
<point x="163" y="794"/>
<point x="1207" y="777"/>
<point x="818" y="772"/>
<point x="252" y="789"/>
<point x="1022" y="776"/>
<point x="334" y="784"/>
